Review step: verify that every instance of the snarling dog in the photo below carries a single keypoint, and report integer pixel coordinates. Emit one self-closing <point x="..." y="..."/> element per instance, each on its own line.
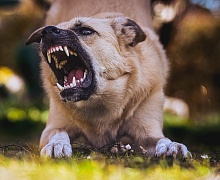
<point x="105" y="77"/>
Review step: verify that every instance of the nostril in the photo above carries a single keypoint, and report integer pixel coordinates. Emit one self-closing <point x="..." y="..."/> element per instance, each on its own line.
<point x="44" y="32"/>
<point x="50" y="29"/>
<point x="55" y="30"/>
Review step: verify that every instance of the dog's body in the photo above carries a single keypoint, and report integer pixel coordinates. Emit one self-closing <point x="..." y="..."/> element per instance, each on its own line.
<point x="65" y="10"/>
<point x="109" y="87"/>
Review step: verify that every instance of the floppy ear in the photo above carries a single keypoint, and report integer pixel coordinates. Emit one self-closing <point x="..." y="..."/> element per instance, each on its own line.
<point x="128" y="31"/>
<point x="35" y="37"/>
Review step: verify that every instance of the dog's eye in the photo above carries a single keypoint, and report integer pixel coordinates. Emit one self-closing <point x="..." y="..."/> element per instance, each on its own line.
<point x="86" y="31"/>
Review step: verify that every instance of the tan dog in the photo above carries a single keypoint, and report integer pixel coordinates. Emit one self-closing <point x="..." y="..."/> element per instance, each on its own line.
<point x="104" y="76"/>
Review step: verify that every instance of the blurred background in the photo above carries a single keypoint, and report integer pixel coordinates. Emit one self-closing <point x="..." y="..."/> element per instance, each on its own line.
<point x="189" y="31"/>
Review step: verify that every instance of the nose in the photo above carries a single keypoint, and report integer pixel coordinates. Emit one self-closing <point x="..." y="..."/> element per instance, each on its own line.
<point x="50" y="30"/>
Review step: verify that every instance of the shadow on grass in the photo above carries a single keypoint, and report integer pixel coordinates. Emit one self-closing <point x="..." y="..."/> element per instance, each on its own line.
<point x="198" y="138"/>
<point x="27" y="130"/>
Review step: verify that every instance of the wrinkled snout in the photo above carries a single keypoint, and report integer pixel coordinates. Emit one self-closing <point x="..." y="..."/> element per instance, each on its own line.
<point x="48" y="32"/>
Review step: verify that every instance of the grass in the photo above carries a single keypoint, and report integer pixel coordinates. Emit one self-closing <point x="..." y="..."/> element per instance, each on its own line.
<point x="97" y="166"/>
<point x="22" y="161"/>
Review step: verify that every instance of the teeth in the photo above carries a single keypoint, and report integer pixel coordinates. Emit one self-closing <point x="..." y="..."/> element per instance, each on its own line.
<point x="66" y="86"/>
<point x="65" y="79"/>
<point x="62" y="63"/>
<point x="71" y="85"/>
<point x="73" y="53"/>
<point x="66" y="50"/>
<point x="60" y="47"/>
<point x="49" y="57"/>
<point x="60" y="87"/>
<point x="56" y="61"/>
<point x="74" y="81"/>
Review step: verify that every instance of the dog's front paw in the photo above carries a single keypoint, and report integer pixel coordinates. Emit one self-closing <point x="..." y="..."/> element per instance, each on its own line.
<point x="58" y="146"/>
<point x="165" y="147"/>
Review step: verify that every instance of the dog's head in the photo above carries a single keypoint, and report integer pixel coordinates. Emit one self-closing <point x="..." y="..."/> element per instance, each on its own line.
<point x="86" y="52"/>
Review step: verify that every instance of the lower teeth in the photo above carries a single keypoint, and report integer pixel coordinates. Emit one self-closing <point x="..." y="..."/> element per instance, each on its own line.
<point x="74" y="82"/>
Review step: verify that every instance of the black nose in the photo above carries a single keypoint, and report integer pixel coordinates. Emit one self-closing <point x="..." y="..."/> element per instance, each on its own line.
<point x="50" y="30"/>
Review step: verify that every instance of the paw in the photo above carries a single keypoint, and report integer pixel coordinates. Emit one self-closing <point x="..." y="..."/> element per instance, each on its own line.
<point x="58" y="146"/>
<point x="166" y="147"/>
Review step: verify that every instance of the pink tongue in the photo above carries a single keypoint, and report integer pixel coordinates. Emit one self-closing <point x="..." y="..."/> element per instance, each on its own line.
<point x="78" y="73"/>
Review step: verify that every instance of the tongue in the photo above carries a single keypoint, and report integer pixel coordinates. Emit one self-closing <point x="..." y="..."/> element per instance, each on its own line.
<point x="78" y="73"/>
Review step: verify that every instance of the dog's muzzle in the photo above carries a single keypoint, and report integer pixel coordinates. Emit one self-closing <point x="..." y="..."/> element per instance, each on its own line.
<point x="68" y="60"/>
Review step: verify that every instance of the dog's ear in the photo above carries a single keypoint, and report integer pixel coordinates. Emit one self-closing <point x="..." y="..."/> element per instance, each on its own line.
<point x="128" y="31"/>
<point x="35" y="37"/>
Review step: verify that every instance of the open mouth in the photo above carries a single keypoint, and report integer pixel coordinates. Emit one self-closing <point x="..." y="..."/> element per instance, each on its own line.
<point x="72" y="70"/>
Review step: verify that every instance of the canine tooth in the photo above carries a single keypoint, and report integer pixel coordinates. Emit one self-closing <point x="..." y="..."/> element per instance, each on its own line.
<point x="74" y="81"/>
<point x="60" y="47"/>
<point x="86" y="71"/>
<point x="66" y="50"/>
<point x="49" y="57"/>
<point x="60" y="87"/>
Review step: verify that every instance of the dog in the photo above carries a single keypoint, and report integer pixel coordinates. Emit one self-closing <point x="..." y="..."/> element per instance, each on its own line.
<point x="104" y="76"/>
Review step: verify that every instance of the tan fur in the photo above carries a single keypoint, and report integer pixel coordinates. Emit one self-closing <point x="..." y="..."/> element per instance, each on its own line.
<point x="65" y="10"/>
<point x="129" y="97"/>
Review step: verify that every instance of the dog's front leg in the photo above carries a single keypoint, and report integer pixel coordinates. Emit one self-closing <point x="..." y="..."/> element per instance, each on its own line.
<point x="146" y="128"/>
<point x="55" y="141"/>
<point x="58" y="144"/>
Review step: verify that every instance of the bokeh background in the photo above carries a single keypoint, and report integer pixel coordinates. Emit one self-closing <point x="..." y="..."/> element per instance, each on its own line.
<point x="189" y="31"/>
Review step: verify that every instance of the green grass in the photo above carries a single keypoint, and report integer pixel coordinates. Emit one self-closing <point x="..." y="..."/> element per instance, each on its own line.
<point x="99" y="166"/>
<point x="21" y="161"/>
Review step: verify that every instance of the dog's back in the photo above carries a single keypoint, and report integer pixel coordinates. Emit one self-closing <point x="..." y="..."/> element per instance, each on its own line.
<point x="64" y="10"/>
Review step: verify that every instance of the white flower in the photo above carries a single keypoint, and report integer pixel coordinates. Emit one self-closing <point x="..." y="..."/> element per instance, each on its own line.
<point x="128" y="147"/>
<point x="205" y="156"/>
